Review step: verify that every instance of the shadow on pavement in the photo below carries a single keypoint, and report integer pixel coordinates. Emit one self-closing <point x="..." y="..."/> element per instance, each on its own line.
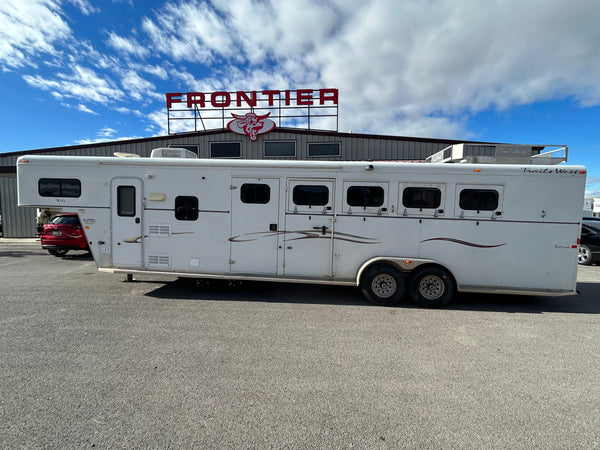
<point x="587" y="302"/>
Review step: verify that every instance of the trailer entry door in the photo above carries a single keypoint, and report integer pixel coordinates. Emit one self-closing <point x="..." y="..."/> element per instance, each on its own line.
<point x="254" y="225"/>
<point x="309" y="227"/>
<point x="126" y="211"/>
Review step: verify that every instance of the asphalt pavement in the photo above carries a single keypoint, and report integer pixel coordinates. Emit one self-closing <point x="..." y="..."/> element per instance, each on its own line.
<point x="89" y="360"/>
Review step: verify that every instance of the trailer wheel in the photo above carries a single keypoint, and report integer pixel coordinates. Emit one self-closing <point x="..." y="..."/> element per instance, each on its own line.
<point x="383" y="285"/>
<point x="584" y="255"/>
<point x="58" y="253"/>
<point x="431" y="287"/>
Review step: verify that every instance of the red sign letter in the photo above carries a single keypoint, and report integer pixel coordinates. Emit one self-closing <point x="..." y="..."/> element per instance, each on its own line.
<point x="195" y="98"/>
<point x="271" y="94"/>
<point x="304" y="97"/>
<point x="328" y="95"/>
<point x="172" y="98"/>
<point x="242" y="95"/>
<point x="220" y="104"/>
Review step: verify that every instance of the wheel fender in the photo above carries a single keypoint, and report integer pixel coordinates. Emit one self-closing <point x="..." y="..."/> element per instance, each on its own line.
<point x="403" y="264"/>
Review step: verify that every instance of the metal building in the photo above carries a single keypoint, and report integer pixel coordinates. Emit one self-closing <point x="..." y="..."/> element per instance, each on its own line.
<point x="281" y="143"/>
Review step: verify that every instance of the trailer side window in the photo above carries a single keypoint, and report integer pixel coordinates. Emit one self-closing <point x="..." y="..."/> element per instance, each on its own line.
<point x="421" y="197"/>
<point x="365" y="196"/>
<point x="311" y="195"/>
<point x="255" y="193"/>
<point x="126" y="201"/>
<point x="479" y="199"/>
<point x="59" y="187"/>
<point x="186" y="208"/>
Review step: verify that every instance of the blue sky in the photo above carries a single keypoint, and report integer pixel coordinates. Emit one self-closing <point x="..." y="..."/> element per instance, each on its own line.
<point x="79" y="71"/>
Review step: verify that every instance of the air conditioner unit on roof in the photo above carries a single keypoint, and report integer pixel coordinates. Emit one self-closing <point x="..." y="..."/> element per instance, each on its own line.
<point x="172" y="152"/>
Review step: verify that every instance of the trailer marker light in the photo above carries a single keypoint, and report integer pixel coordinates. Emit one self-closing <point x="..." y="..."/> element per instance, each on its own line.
<point x="408" y="261"/>
<point x="583" y="171"/>
<point x="578" y="241"/>
<point x="573" y="246"/>
<point x="477" y="170"/>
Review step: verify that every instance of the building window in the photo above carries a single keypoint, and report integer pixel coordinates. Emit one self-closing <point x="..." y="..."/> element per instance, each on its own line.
<point x="422" y="198"/>
<point x="311" y="195"/>
<point x="186" y="208"/>
<point x="255" y="193"/>
<point x="126" y="201"/>
<point x="365" y="196"/>
<point x="225" y="149"/>
<point x="59" y="187"/>
<point x="280" y="149"/>
<point x="479" y="199"/>
<point x="323" y="149"/>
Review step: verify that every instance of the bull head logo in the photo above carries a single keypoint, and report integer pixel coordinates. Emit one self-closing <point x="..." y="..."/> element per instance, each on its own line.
<point x="251" y="124"/>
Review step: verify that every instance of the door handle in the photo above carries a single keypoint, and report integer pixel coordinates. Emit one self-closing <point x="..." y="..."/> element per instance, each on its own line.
<point x="323" y="229"/>
<point x="137" y="220"/>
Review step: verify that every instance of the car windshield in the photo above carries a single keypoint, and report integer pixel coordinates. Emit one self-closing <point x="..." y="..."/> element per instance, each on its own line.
<point x="65" y="220"/>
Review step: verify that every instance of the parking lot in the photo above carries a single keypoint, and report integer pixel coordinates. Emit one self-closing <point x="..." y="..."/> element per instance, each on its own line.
<point x="89" y="360"/>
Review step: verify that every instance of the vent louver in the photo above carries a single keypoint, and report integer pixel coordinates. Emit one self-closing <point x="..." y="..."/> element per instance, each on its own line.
<point x="159" y="260"/>
<point x="159" y="230"/>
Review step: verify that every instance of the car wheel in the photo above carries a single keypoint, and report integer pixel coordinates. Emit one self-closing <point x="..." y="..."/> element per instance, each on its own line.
<point x="431" y="287"/>
<point x="584" y="255"/>
<point x="383" y="285"/>
<point x="58" y="253"/>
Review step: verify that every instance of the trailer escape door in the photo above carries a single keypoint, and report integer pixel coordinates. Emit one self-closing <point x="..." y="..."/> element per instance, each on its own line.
<point x="254" y="225"/>
<point x="126" y="211"/>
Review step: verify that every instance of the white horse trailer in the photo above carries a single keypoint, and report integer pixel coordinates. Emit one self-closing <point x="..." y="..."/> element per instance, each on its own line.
<point x="426" y="229"/>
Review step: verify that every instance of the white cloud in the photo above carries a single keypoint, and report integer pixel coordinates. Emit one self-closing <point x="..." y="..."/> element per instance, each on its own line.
<point x="83" y="84"/>
<point x="29" y="28"/>
<point x="138" y="88"/>
<point x="85" y="7"/>
<point x="83" y="108"/>
<point x="128" y="46"/>
<point x="411" y="65"/>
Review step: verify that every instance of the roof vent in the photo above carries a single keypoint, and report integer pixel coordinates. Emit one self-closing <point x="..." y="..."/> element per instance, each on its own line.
<point x="172" y="152"/>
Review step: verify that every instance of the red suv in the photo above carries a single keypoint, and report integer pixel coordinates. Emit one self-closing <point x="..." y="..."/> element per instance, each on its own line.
<point x="63" y="233"/>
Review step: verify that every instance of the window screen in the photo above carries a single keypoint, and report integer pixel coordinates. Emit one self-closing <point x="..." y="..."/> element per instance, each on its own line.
<point x="365" y="196"/>
<point x="186" y="208"/>
<point x="225" y="150"/>
<point x="126" y="201"/>
<point x="420" y="197"/>
<point x="479" y="199"/>
<point x="280" y="149"/>
<point x="311" y="195"/>
<point x="59" y="187"/>
<point x="255" y="193"/>
<point x="324" y="149"/>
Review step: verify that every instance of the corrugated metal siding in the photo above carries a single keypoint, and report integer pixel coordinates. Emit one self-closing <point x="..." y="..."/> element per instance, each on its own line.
<point x="16" y="221"/>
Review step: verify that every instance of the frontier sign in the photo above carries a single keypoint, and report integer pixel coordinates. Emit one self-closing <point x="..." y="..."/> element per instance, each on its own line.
<point x="306" y="104"/>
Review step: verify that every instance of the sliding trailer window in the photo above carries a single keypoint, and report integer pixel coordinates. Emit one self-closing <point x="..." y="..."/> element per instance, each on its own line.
<point x="421" y="199"/>
<point x="479" y="201"/>
<point x="59" y="187"/>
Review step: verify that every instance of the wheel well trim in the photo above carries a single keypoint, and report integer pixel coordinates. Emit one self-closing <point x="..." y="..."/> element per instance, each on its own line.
<point x="405" y="265"/>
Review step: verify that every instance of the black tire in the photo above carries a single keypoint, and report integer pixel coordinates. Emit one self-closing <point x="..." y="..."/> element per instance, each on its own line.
<point x="584" y="256"/>
<point x="383" y="285"/>
<point x="431" y="287"/>
<point x="58" y="253"/>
